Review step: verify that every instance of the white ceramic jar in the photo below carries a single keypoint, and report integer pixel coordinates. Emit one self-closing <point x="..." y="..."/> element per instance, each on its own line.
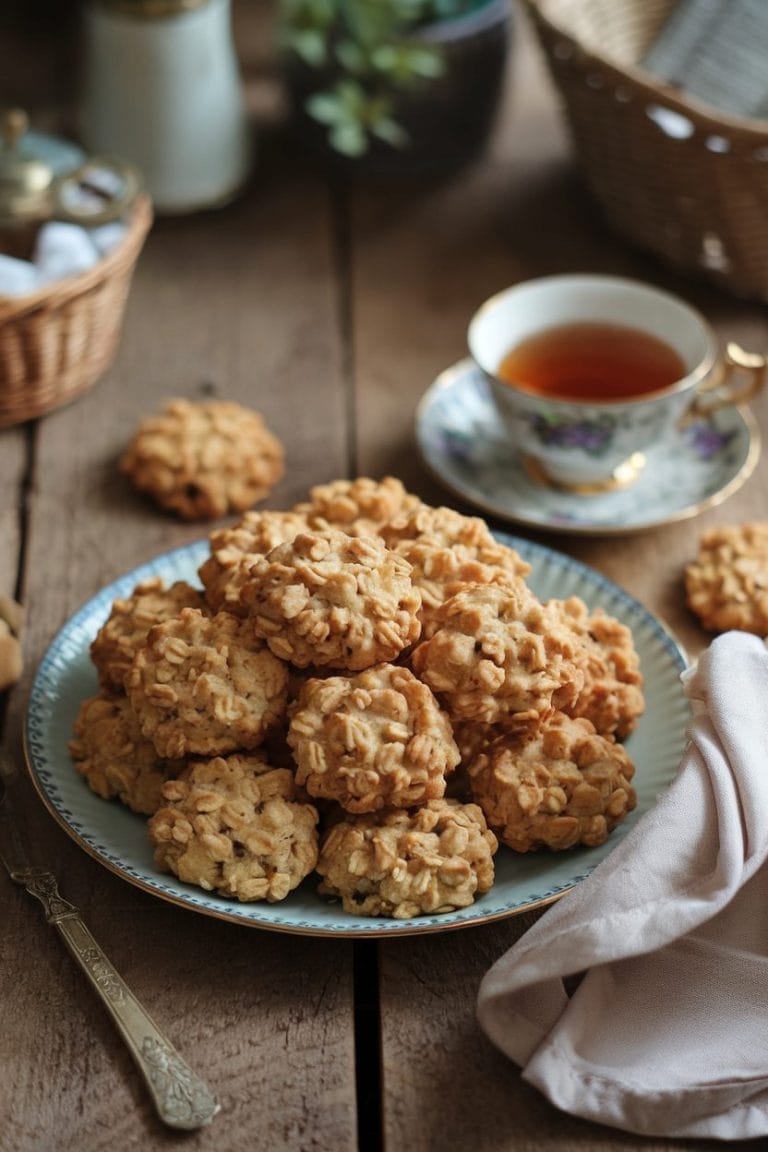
<point x="162" y="89"/>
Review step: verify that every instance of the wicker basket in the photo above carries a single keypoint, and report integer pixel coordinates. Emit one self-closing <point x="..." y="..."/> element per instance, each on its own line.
<point x="56" y="343"/>
<point x="672" y="175"/>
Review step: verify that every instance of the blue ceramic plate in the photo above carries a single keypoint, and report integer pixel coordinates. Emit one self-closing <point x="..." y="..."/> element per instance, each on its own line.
<point x="117" y="838"/>
<point x="462" y="442"/>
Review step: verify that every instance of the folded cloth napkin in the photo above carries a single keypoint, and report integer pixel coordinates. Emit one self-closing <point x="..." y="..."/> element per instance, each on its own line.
<point x="666" y="1034"/>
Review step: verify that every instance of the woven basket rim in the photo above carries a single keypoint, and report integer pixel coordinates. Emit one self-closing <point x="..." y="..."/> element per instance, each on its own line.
<point x="61" y="291"/>
<point x="707" y="117"/>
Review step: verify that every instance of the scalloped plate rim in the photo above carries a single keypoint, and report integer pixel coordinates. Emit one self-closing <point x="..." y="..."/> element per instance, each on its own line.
<point x="50" y="772"/>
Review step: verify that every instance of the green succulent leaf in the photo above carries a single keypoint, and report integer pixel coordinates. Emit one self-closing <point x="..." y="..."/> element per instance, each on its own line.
<point x="351" y="56"/>
<point x="391" y="132"/>
<point x="404" y="63"/>
<point x="349" y="138"/>
<point x="365" y="54"/>
<point x="326" y="107"/>
<point x="310" y="45"/>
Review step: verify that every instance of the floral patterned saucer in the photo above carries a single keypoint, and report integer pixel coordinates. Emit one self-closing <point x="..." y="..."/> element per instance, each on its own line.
<point x="462" y="442"/>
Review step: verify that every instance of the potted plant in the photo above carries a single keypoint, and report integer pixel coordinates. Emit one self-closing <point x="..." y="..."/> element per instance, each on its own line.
<point x="396" y="85"/>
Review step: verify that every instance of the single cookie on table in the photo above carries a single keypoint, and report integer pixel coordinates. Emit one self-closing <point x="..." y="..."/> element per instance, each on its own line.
<point x="612" y="697"/>
<point x="202" y="460"/>
<point x="359" y="507"/>
<point x="116" y="760"/>
<point x="205" y="686"/>
<point x="375" y="740"/>
<point x="234" y="825"/>
<point x="333" y="600"/>
<point x="130" y="619"/>
<point x="565" y="786"/>
<point x="499" y="656"/>
<point x="727" y="585"/>
<point x="11" y="626"/>
<point x="235" y="549"/>
<point x="429" y="860"/>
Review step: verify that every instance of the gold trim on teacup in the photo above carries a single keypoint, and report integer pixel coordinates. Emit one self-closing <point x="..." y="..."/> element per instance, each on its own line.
<point x="491" y="508"/>
<point x="624" y="475"/>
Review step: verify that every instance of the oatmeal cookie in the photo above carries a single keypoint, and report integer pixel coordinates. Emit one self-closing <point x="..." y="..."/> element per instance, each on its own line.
<point x="566" y="786"/>
<point x="499" y="657"/>
<point x="202" y="460"/>
<point x="130" y="619"/>
<point x="612" y="696"/>
<point x="11" y="626"/>
<point x="358" y="507"/>
<point x="235" y="549"/>
<point x="375" y="740"/>
<point x="205" y="686"/>
<point x="334" y="600"/>
<point x="445" y="528"/>
<point x="440" y="572"/>
<point x="235" y="826"/>
<point x="727" y="585"/>
<point x="395" y="863"/>
<point x="116" y="760"/>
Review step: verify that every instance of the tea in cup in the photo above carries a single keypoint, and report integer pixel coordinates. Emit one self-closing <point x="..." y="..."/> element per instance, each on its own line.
<point x="588" y="372"/>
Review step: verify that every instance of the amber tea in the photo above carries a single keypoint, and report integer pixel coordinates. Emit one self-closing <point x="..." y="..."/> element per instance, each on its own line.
<point x="592" y="362"/>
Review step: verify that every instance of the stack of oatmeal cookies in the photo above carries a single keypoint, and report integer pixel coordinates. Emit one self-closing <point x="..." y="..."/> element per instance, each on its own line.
<point x="364" y="687"/>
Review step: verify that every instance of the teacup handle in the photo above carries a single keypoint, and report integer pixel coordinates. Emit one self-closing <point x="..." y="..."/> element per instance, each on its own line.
<point x="740" y="377"/>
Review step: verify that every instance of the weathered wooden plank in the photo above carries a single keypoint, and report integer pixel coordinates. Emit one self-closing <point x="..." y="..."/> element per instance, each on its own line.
<point x="422" y="262"/>
<point x="14" y="458"/>
<point x="446" y="1086"/>
<point x="239" y="304"/>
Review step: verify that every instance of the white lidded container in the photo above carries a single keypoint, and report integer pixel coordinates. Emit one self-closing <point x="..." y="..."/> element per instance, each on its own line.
<point x="162" y="88"/>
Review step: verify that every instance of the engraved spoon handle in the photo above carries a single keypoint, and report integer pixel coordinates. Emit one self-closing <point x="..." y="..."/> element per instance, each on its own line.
<point x="181" y="1098"/>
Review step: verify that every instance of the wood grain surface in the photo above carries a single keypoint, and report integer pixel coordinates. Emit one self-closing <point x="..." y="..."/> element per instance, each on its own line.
<point x="330" y="308"/>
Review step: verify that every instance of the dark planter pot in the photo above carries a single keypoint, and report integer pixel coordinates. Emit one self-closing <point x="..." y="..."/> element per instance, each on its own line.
<point x="448" y="120"/>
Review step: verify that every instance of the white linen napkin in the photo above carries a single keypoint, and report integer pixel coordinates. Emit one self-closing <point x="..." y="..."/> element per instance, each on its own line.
<point x="667" y="1033"/>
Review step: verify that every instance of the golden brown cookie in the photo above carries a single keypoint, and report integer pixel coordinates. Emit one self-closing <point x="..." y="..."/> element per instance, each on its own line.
<point x="130" y="619"/>
<point x="566" y="786"/>
<point x="433" y="859"/>
<point x="358" y="507"/>
<point x="612" y="696"/>
<point x="235" y="549"/>
<point x="11" y="626"/>
<point x="727" y="585"/>
<point x="202" y="460"/>
<point x="375" y="740"/>
<point x="206" y="686"/>
<point x="440" y="572"/>
<point x="235" y="826"/>
<point x="499" y="657"/>
<point x="333" y="600"/>
<point x="116" y="760"/>
<point x="446" y="528"/>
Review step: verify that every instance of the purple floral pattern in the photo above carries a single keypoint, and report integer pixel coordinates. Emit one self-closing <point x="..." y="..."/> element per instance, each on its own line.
<point x="462" y="441"/>
<point x="591" y="436"/>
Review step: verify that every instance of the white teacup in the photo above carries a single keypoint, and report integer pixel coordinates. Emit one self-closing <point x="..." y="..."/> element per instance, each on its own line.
<point x="595" y="444"/>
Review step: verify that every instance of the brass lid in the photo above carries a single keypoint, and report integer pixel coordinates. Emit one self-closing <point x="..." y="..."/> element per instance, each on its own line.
<point x="98" y="190"/>
<point x="25" y="181"/>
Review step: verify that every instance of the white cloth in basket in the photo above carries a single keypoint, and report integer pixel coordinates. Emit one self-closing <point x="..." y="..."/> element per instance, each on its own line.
<point x="667" y="1033"/>
<point x="61" y="250"/>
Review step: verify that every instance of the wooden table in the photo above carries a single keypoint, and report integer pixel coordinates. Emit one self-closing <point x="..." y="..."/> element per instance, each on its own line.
<point x="331" y="310"/>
